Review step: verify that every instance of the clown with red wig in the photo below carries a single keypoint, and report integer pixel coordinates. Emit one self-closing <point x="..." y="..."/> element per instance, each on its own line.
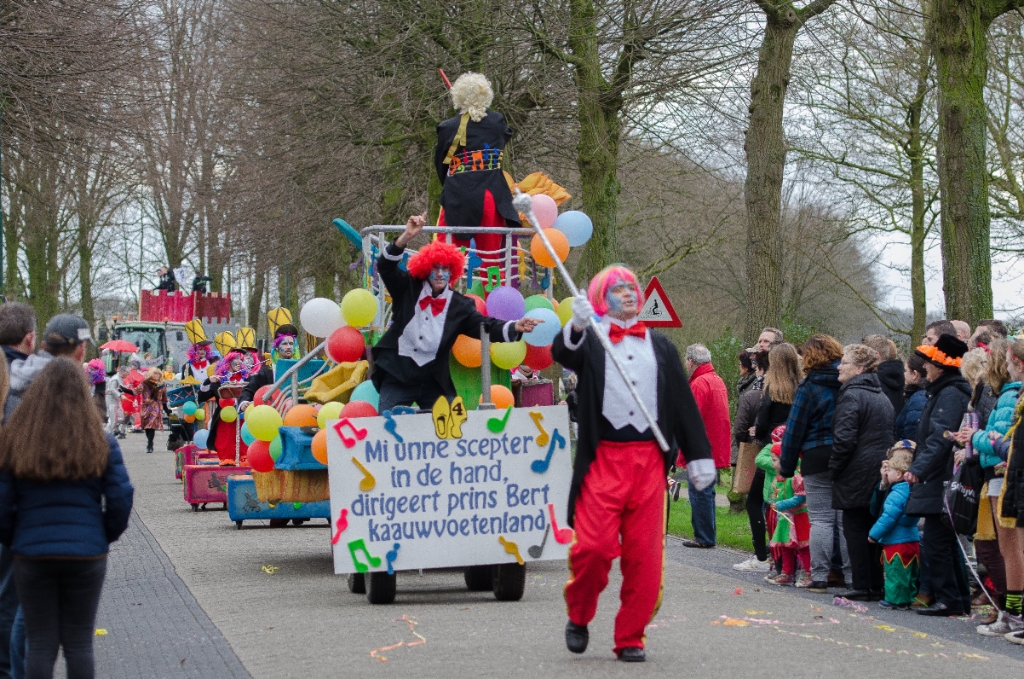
<point x="618" y="496"/>
<point x="410" y="362"/>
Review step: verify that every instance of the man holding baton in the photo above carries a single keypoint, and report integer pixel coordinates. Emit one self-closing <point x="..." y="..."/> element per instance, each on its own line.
<point x="626" y="446"/>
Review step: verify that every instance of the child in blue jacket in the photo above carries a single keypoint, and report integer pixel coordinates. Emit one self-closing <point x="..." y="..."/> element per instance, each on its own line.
<point x="898" y="532"/>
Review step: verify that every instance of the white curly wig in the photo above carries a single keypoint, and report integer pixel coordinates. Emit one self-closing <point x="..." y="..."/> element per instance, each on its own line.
<point x="472" y="94"/>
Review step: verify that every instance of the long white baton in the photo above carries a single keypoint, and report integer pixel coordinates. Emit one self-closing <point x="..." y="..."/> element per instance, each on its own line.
<point x="523" y="203"/>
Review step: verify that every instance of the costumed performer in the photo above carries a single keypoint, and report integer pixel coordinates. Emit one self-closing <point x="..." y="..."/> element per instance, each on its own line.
<point x="201" y="355"/>
<point x="245" y="338"/>
<point x="284" y="347"/>
<point x="427" y="316"/>
<point x="618" y="499"/>
<point x="468" y="163"/>
<point x="153" y="403"/>
<point x="115" y="392"/>
<point x="231" y="371"/>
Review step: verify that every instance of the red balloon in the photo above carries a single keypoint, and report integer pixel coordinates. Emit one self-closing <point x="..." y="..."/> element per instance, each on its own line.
<point x="481" y="305"/>
<point x="257" y="398"/>
<point x="346" y="345"/>
<point x="358" y="409"/>
<point x="225" y="402"/>
<point x="259" y="456"/>
<point x="538" y="358"/>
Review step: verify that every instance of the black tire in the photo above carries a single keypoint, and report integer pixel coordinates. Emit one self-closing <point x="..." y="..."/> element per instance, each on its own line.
<point x="479" y="578"/>
<point x="380" y="587"/>
<point x="357" y="583"/>
<point x="509" y="582"/>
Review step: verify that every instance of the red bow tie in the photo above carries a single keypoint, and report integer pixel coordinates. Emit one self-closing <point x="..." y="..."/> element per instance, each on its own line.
<point x="617" y="332"/>
<point x="436" y="304"/>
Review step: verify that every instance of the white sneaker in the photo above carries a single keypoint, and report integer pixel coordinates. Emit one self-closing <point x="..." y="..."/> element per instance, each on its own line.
<point x="752" y="565"/>
<point x="1003" y="625"/>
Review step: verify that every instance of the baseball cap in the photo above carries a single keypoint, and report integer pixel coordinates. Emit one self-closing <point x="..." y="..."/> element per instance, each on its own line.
<point x="66" y="330"/>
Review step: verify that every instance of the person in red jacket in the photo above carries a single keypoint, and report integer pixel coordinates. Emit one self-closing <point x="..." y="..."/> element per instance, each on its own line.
<point x="712" y="398"/>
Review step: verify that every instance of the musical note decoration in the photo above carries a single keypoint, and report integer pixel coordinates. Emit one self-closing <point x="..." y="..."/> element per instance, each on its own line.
<point x="391" y="426"/>
<point x="473" y="261"/>
<point x="369" y="480"/>
<point x="536" y="550"/>
<point x="493" y="278"/>
<point x="341" y="524"/>
<point x="357" y="433"/>
<point x="497" y="425"/>
<point x="541" y="466"/>
<point x="563" y="536"/>
<point x="546" y="281"/>
<point x="537" y="417"/>
<point x="391" y="557"/>
<point x="403" y="410"/>
<point x="512" y="548"/>
<point x="360" y="546"/>
<point x="448" y="418"/>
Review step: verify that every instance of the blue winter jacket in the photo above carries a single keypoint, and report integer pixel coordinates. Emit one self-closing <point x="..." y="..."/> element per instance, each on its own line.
<point x="894" y="527"/>
<point x="999" y="422"/>
<point x="66" y="518"/>
<point x="810" y="419"/>
<point x="910" y="417"/>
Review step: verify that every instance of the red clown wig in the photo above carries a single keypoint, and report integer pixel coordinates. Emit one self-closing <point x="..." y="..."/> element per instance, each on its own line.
<point x="606" y="279"/>
<point x="437" y="253"/>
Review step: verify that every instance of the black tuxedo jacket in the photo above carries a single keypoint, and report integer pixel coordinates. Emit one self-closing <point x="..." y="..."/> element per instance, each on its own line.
<point x="678" y="416"/>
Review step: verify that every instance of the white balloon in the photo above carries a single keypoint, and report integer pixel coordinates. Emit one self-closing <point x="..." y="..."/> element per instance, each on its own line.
<point x="320" y="317"/>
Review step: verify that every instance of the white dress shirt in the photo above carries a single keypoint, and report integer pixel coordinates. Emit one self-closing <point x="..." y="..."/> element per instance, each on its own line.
<point x="422" y="335"/>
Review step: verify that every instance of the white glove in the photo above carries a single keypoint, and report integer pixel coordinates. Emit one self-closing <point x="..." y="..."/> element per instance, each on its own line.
<point x="582" y="312"/>
<point x="702" y="473"/>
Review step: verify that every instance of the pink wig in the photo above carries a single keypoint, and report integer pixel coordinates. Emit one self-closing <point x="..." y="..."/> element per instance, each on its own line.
<point x="422" y="263"/>
<point x="606" y="279"/>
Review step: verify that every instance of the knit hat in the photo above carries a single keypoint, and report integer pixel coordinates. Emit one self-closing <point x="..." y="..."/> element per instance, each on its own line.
<point x="902" y="444"/>
<point x="947" y="353"/>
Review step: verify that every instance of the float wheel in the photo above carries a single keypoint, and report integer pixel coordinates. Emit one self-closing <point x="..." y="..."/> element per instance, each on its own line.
<point x="357" y="583"/>
<point x="509" y="581"/>
<point x="479" y="578"/>
<point x="380" y="587"/>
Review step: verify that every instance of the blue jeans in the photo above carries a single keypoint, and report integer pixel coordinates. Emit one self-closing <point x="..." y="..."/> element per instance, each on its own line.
<point x="702" y="514"/>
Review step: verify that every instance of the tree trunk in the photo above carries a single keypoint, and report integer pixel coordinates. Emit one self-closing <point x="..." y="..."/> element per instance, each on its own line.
<point x="85" y="279"/>
<point x="255" y="300"/>
<point x="765" y="147"/>
<point x="961" y="43"/>
<point x="918" y="228"/>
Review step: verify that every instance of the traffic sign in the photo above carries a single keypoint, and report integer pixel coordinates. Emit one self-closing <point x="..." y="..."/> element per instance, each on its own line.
<point x="658" y="311"/>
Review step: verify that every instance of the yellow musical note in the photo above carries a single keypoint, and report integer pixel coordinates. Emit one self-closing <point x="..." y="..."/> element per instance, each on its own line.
<point x="543" y="439"/>
<point x="512" y="548"/>
<point x="369" y="481"/>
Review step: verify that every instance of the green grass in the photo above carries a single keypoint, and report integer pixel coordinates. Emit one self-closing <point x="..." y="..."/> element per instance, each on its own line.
<point x="732" y="529"/>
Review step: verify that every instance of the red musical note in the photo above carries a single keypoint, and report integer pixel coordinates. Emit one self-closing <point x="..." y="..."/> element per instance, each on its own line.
<point x="342" y="524"/>
<point x="563" y="536"/>
<point x="360" y="434"/>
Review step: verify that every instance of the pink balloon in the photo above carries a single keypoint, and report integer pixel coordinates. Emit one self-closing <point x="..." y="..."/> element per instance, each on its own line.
<point x="545" y="209"/>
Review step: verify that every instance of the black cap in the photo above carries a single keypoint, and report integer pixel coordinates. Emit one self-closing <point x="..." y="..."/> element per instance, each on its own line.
<point x="286" y="329"/>
<point x="66" y="330"/>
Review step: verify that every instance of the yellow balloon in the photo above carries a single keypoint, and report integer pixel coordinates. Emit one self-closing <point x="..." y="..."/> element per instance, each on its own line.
<point x="564" y="310"/>
<point x="200" y="415"/>
<point x="358" y="307"/>
<point x="228" y="414"/>
<point x="263" y="422"/>
<point x="328" y="411"/>
<point x="507" y="355"/>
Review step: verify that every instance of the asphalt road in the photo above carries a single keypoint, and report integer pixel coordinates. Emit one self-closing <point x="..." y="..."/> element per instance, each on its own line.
<point x="218" y="600"/>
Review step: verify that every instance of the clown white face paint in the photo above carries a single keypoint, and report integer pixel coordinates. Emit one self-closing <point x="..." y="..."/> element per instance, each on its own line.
<point x="440" y="278"/>
<point x="622" y="300"/>
<point x="286" y="348"/>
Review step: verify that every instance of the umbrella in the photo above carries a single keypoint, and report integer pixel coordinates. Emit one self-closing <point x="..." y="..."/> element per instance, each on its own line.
<point x="120" y="346"/>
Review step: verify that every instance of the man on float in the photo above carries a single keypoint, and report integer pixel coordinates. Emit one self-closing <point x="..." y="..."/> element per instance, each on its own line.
<point x="284" y="347"/>
<point x="468" y="162"/>
<point x="410" y="362"/>
<point x="618" y="496"/>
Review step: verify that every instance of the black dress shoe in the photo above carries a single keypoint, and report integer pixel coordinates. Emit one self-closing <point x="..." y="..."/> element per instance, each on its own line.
<point x="576" y="637"/>
<point x="694" y="543"/>
<point x="939" y="609"/>
<point x="857" y="595"/>
<point x="632" y="654"/>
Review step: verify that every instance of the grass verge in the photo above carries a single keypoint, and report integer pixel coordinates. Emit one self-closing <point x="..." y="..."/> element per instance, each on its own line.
<point x="732" y="529"/>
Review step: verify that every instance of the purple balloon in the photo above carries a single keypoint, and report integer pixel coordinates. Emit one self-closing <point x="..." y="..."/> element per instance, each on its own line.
<point x="506" y="304"/>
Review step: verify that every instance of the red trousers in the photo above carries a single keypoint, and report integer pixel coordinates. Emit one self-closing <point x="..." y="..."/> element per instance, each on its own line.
<point x="490" y="246"/>
<point x="620" y="512"/>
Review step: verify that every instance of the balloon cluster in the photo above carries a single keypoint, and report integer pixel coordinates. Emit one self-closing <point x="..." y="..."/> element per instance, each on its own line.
<point x="322" y="317"/>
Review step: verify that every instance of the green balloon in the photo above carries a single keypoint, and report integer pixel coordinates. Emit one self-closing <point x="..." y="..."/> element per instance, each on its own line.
<point x="478" y="288"/>
<point x="275" y="448"/>
<point x="538" y="302"/>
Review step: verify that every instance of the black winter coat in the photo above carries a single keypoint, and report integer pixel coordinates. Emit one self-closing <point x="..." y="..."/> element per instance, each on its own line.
<point x="890" y="376"/>
<point x="944" y="410"/>
<point x="770" y="414"/>
<point x="861" y="435"/>
<point x="678" y="416"/>
<point x="983" y="402"/>
<point x="908" y="419"/>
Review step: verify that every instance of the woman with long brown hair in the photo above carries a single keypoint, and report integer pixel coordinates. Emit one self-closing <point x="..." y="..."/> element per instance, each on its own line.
<point x="64" y="497"/>
<point x="153" y="404"/>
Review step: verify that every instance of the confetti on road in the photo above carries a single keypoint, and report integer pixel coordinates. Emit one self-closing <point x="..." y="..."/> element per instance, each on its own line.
<point x="885" y="628"/>
<point x="100" y="632"/>
<point x="863" y="647"/>
<point x="846" y="603"/>
<point x="738" y="591"/>
<point x="270" y="570"/>
<point x="376" y="653"/>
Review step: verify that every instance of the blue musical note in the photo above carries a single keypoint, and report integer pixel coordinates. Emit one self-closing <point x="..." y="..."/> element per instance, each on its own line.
<point x="392" y="556"/>
<point x="473" y="263"/>
<point x="541" y="466"/>
<point x="390" y="425"/>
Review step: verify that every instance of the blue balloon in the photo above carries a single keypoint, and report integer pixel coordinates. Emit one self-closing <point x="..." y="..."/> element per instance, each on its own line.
<point x="366" y="392"/>
<point x="247" y="435"/>
<point x="576" y="226"/>
<point x="543" y="334"/>
<point x="200" y="438"/>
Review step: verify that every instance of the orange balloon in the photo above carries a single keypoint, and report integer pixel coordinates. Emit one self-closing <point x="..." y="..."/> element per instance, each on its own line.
<point x="319" y="446"/>
<point x="190" y="418"/>
<point x="501" y="397"/>
<point x="558" y="241"/>
<point x="467" y="351"/>
<point x="302" y="415"/>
